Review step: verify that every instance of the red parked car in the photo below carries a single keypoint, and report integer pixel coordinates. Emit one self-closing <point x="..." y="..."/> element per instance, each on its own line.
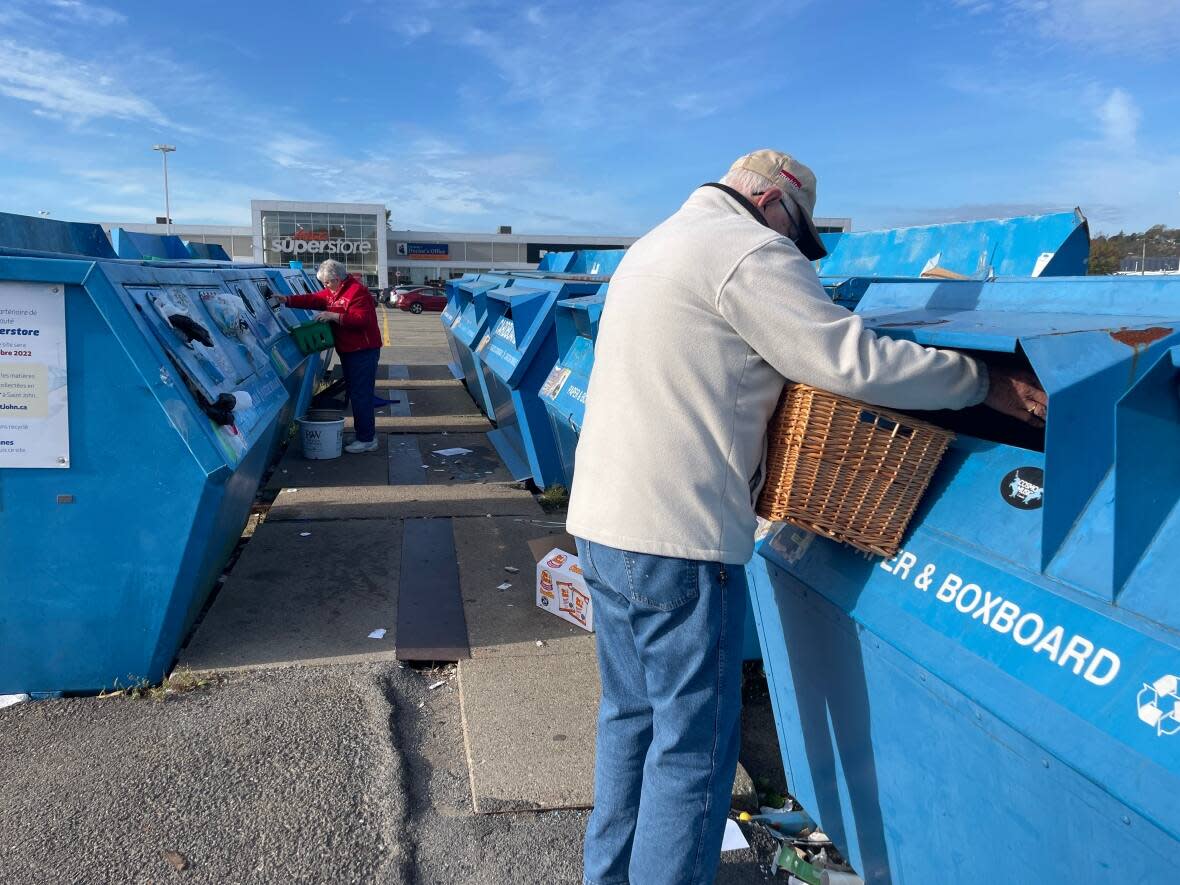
<point x="416" y="299"/>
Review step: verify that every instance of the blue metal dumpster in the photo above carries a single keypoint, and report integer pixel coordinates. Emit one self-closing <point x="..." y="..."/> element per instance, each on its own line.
<point x="469" y="327"/>
<point x="449" y="317"/>
<point x="164" y="413"/>
<point x="592" y="262"/>
<point x="1026" y="246"/>
<point x="999" y="701"/>
<point x="300" y="373"/>
<point x="564" y="392"/>
<point x="515" y="355"/>
<point x="141" y="246"/>
<point x="206" y="251"/>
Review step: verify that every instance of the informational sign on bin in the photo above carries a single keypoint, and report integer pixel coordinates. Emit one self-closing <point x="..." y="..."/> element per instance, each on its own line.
<point x="34" y="399"/>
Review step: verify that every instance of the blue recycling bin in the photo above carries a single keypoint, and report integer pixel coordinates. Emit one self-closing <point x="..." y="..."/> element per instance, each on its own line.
<point x="467" y="329"/>
<point x="143" y="246"/>
<point x="1051" y="245"/>
<point x="515" y="356"/>
<point x="998" y="702"/>
<point x="564" y="391"/>
<point x="146" y="423"/>
<point x="301" y="373"/>
<point x="206" y="251"/>
<point x="449" y="317"/>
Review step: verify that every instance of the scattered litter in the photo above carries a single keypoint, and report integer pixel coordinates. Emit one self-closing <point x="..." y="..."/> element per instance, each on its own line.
<point x="511" y="569"/>
<point x="421" y="704"/>
<point x="504" y="586"/>
<point x="818" y="836"/>
<point x="438" y="684"/>
<point x="304" y="534"/>
<point x="11" y="700"/>
<point x="734" y="839"/>
<point x="177" y="860"/>
<point x="284" y="471"/>
<point x="379" y="633"/>
<point x="447" y="453"/>
<point x="540" y="643"/>
<point x="425" y="466"/>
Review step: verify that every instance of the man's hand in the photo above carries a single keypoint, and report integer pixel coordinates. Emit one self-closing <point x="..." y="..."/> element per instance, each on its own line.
<point x="1017" y="393"/>
<point x="326" y="316"/>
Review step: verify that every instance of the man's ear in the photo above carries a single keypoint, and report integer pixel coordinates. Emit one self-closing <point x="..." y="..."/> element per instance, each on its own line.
<point x="767" y="197"/>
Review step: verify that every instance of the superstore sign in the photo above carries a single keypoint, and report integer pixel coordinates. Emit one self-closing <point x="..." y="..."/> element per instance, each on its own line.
<point x="317" y="242"/>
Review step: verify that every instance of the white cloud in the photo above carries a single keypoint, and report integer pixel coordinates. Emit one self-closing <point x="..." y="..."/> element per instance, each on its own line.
<point x="71" y="89"/>
<point x="694" y="105"/>
<point x="1119" y="118"/>
<point x="413" y="27"/>
<point x="1114" y="27"/>
<point x="86" y="13"/>
<point x="609" y="64"/>
<point x="975" y="7"/>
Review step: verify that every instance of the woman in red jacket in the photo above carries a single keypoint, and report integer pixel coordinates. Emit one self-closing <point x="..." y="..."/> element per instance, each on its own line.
<point x="350" y="307"/>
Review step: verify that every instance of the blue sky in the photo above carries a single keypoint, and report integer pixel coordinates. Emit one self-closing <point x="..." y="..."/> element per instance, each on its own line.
<point x="560" y="117"/>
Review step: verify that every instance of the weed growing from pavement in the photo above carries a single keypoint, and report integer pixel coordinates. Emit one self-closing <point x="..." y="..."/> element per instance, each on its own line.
<point x="556" y="497"/>
<point x="182" y="680"/>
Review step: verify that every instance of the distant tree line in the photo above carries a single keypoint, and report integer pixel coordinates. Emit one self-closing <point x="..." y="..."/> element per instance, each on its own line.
<point x="1106" y="252"/>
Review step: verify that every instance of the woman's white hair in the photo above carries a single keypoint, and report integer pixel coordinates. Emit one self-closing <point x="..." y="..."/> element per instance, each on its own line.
<point x="331" y="271"/>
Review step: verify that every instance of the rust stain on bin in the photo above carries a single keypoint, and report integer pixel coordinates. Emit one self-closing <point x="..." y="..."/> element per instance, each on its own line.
<point x="1138" y="338"/>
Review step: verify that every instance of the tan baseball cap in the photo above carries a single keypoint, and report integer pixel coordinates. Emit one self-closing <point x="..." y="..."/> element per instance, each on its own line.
<point x="797" y="182"/>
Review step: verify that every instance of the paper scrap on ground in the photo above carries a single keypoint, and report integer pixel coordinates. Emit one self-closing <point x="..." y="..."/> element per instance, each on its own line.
<point x="11" y="700"/>
<point x="378" y="634"/>
<point x="504" y="586"/>
<point x="438" y="684"/>
<point x="305" y="534"/>
<point x="446" y="453"/>
<point x="734" y="839"/>
<point x="511" y="569"/>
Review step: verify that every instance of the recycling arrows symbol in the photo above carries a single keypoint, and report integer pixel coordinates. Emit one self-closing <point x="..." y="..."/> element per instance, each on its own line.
<point x="1159" y="705"/>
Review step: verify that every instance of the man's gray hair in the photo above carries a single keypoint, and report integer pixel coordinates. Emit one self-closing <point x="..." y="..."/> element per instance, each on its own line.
<point x="331" y="271"/>
<point x="748" y="183"/>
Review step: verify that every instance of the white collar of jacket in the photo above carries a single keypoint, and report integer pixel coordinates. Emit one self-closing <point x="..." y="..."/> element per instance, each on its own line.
<point x="736" y="197"/>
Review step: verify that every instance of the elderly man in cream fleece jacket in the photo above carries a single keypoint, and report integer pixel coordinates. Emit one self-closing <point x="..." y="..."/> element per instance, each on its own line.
<point x="707" y="315"/>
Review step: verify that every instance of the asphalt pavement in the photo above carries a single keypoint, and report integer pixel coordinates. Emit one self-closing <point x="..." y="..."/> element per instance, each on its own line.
<point x="301" y="774"/>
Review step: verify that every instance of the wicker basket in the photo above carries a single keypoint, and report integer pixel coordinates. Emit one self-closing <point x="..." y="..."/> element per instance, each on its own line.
<point x="846" y="470"/>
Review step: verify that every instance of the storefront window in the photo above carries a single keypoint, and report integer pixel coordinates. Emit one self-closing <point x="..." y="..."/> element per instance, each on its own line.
<point x="312" y="237"/>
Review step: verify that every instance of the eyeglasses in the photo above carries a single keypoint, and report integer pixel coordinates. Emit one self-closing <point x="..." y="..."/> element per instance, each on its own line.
<point x="794" y="234"/>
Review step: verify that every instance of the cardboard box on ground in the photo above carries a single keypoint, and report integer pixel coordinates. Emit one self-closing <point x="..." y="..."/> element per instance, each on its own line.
<point x="561" y="589"/>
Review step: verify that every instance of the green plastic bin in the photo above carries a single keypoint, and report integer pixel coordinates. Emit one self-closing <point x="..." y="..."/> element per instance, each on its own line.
<point x="313" y="337"/>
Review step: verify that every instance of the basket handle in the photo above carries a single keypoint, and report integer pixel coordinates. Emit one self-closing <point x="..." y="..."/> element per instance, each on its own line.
<point x="887" y="424"/>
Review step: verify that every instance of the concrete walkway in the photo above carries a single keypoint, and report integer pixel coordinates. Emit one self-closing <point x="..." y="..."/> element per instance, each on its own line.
<point x="313" y="756"/>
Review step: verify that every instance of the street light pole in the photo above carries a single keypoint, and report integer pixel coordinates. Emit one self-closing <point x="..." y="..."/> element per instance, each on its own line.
<point x="165" y="150"/>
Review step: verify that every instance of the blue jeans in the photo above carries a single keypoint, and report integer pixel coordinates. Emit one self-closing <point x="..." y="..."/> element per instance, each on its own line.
<point x="670" y="658"/>
<point x="360" y="379"/>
